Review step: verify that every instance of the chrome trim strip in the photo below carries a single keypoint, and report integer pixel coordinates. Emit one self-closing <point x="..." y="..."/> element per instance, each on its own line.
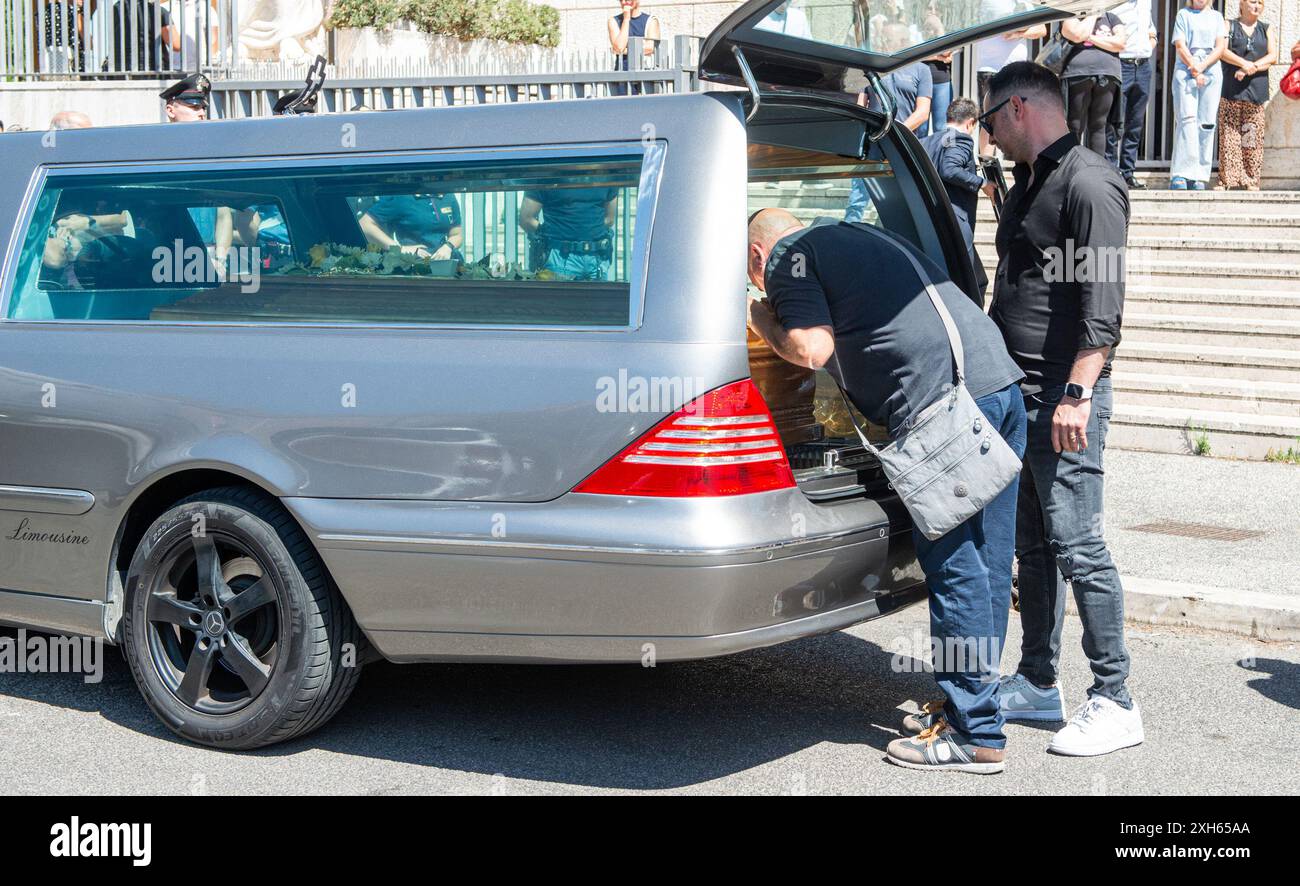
<point x="702" y="462"/>
<point x="653" y="155"/>
<point x="765" y="430"/>
<point x="722" y="420"/>
<point x="604" y="648"/>
<point x="45" y="500"/>
<point x="504" y="548"/>
<point x="9" y="260"/>
<point x="706" y="447"/>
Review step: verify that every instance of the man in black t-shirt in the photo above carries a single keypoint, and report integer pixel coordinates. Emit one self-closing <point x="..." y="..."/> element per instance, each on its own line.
<point x="139" y="27"/>
<point x="845" y="296"/>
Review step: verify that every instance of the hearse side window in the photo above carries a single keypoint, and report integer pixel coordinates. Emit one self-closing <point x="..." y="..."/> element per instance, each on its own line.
<point x="536" y="242"/>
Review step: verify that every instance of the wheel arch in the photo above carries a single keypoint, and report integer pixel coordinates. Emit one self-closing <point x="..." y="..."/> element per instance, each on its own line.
<point x="149" y="501"/>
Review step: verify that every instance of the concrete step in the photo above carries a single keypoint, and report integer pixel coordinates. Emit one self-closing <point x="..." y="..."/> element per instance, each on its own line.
<point x="1243" y="304"/>
<point x="1162" y="225"/>
<point x="1205" y="207"/>
<point x="1175" y="359"/>
<point x="1195" y="393"/>
<point x="1284" y="224"/>
<point x="1194" y="329"/>
<point x="1197" y="274"/>
<point x="1143" y="250"/>
<point x="1215" y="201"/>
<point x="1176" y="429"/>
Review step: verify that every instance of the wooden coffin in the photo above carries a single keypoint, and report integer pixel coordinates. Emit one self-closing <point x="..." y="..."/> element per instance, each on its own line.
<point x="789" y="391"/>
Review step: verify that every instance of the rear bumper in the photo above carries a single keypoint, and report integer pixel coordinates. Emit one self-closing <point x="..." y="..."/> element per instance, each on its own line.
<point x="602" y="579"/>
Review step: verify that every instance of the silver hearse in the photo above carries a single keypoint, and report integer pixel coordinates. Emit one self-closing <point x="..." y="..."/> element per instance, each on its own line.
<point x="280" y="396"/>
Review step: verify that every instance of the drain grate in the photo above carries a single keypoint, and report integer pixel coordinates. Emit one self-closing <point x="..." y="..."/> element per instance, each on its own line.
<point x="1198" y="530"/>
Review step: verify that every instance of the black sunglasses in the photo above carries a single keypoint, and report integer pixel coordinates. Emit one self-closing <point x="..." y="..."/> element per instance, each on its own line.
<point x="986" y="119"/>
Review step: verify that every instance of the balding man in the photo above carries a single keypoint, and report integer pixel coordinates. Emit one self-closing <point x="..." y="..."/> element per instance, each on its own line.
<point x="70" y="120"/>
<point x="845" y="296"/>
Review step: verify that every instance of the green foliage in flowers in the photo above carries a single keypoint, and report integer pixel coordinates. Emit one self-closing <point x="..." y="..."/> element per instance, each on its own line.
<point x="335" y="259"/>
<point x="513" y="21"/>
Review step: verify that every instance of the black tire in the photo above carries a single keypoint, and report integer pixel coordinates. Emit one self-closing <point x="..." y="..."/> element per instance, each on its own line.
<point x="221" y="666"/>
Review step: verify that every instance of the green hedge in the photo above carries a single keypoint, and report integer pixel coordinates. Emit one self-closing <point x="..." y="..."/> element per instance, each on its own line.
<point x="514" y="21"/>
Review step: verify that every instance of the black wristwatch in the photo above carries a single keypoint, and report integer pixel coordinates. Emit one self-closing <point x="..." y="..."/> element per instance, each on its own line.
<point x="1078" y="392"/>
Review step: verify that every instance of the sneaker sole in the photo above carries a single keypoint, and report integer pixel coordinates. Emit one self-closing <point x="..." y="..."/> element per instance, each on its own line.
<point x="972" y="768"/>
<point x="1099" y="750"/>
<point x="1036" y="716"/>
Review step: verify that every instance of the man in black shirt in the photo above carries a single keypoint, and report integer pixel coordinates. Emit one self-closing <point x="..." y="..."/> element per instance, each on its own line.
<point x="1058" y="298"/>
<point x="845" y="294"/>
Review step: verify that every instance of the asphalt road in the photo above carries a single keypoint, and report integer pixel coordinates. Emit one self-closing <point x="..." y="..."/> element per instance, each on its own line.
<point x="807" y="717"/>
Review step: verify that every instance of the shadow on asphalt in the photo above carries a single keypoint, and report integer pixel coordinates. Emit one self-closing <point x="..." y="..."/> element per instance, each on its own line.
<point x="1280" y="683"/>
<point x="614" y="726"/>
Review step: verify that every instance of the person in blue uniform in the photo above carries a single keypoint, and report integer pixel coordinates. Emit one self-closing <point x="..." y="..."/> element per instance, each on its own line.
<point x="952" y="151"/>
<point x="571" y="230"/>
<point x="425" y="225"/>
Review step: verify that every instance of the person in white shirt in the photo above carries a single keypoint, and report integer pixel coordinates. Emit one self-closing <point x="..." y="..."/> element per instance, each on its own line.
<point x="992" y="54"/>
<point x="788" y="19"/>
<point x="1125" y="131"/>
<point x="1200" y="38"/>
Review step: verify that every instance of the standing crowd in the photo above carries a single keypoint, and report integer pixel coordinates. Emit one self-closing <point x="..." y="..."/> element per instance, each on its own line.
<point x="1219" y="86"/>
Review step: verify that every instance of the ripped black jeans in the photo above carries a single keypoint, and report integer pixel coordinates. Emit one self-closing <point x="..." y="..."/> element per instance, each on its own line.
<point x="1059" y="537"/>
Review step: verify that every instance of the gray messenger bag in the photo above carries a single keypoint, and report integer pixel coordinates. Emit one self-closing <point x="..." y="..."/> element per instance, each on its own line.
<point x="948" y="461"/>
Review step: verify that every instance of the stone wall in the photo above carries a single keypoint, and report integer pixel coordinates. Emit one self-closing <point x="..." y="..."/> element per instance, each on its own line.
<point x="583" y="22"/>
<point x="31" y="105"/>
<point x="1282" y="137"/>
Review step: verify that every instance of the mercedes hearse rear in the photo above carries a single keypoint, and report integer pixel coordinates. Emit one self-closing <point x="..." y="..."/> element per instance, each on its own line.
<point x="254" y="443"/>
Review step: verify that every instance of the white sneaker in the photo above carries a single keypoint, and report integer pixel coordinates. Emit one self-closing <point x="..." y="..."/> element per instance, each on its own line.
<point x="1098" y="727"/>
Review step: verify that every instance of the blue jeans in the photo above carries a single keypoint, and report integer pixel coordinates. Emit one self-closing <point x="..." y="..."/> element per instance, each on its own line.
<point x="579" y="266"/>
<point x="859" y="198"/>
<point x="1196" y="117"/>
<point x="968" y="572"/>
<point x="1134" y="91"/>
<point x="939" y="102"/>
<point x="1059" y="538"/>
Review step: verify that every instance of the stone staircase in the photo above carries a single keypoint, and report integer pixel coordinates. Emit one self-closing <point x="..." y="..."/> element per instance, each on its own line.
<point x="1211" y="345"/>
<point x="1211" y="323"/>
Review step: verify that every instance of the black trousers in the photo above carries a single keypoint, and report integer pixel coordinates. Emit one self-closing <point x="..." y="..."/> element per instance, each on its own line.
<point x="1088" y="103"/>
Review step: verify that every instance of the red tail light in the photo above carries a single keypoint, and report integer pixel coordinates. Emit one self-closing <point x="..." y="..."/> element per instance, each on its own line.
<point x="723" y="443"/>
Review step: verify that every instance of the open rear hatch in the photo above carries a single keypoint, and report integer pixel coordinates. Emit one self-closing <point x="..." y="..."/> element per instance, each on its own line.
<point x="803" y="65"/>
<point x="779" y="45"/>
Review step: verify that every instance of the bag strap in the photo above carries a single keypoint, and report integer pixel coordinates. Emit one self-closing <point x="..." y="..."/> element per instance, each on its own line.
<point x="949" y="325"/>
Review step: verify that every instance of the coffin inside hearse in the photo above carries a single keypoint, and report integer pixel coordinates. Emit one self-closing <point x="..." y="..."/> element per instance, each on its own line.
<point x="828" y="459"/>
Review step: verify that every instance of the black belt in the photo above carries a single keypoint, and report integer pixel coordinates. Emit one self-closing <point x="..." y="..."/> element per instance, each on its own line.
<point x="600" y="247"/>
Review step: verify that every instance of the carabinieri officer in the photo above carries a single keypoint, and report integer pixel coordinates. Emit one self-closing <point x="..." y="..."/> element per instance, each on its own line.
<point x="426" y="225"/>
<point x="187" y="99"/>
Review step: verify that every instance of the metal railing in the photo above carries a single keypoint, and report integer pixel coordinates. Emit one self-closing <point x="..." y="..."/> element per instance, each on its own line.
<point x="672" y="68"/>
<point x="111" y="39"/>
